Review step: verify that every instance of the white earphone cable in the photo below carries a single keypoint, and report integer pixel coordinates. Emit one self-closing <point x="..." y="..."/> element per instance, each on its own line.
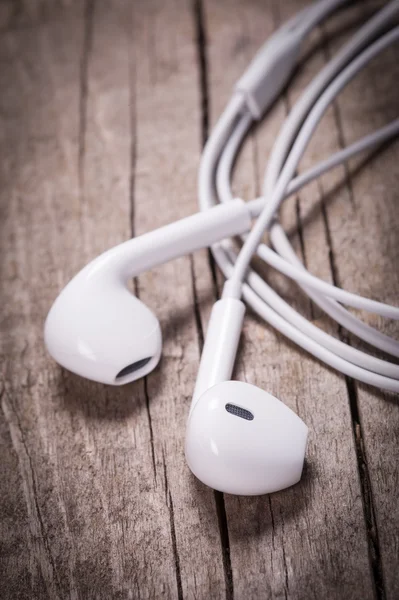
<point x="226" y="162"/>
<point x="220" y="152"/>
<point x="276" y="196"/>
<point x="279" y="238"/>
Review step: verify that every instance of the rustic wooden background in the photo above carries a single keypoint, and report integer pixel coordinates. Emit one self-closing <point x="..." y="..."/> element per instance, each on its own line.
<point x="104" y="108"/>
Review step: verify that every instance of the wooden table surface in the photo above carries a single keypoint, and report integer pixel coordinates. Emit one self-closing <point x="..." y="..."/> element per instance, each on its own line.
<point x="104" y="109"/>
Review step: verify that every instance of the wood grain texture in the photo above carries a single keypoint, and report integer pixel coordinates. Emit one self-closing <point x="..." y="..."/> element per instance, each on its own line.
<point x="104" y="108"/>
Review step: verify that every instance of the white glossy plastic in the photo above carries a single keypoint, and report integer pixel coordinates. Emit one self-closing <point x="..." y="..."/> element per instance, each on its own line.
<point x="97" y="328"/>
<point x="221" y="343"/>
<point x="239" y="456"/>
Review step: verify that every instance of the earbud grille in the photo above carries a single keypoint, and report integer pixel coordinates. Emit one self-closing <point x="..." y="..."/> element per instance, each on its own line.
<point x="237" y="411"/>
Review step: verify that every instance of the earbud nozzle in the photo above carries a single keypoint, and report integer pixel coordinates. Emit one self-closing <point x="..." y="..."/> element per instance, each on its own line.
<point x="105" y="334"/>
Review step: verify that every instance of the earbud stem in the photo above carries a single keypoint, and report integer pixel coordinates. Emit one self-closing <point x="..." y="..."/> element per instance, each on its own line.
<point x="177" y="239"/>
<point x="221" y="343"/>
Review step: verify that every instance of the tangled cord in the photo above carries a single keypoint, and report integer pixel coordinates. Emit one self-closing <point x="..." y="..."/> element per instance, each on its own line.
<point x="247" y="104"/>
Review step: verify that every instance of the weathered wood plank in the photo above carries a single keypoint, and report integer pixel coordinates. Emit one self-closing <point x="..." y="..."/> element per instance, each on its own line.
<point x="138" y="555"/>
<point x="99" y="511"/>
<point x="38" y="126"/>
<point x="310" y="541"/>
<point x="168" y="121"/>
<point x="364" y="238"/>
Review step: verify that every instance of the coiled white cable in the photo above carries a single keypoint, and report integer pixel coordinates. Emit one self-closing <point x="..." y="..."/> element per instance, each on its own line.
<point x="219" y="156"/>
<point x="278" y="236"/>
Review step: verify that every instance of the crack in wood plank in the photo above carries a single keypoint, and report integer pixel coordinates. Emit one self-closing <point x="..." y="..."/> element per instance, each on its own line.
<point x="148" y="411"/>
<point x="197" y="314"/>
<point x="286" y="578"/>
<point x="48" y="568"/>
<point x="201" y="41"/>
<point x="225" y="543"/>
<point x="89" y="6"/>
<point x="367" y="494"/>
<point x="272" y="521"/>
<point x="201" y="45"/>
<point x="172" y="524"/>
<point x="174" y="547"/>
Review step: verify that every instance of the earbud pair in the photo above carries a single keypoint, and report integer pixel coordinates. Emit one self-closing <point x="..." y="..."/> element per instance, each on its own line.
<point x="240" y="439"/>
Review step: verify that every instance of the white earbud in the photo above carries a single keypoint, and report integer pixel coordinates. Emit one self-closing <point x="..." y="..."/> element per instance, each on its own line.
<point x="97" y="328"/>
<point x="239" y="439"/>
